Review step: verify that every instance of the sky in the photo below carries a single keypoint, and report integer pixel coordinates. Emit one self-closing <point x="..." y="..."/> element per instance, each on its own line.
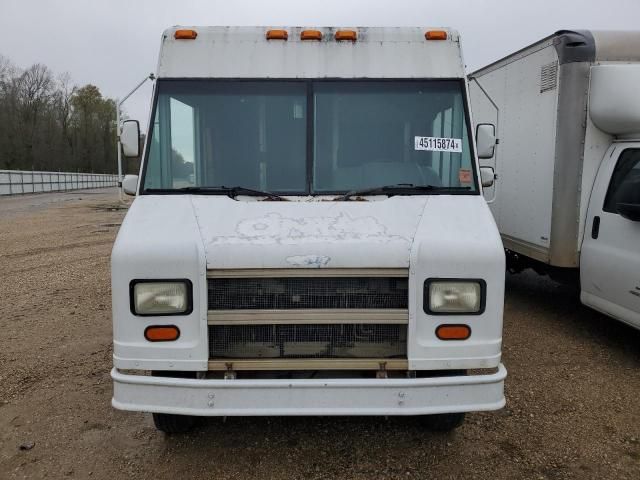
<point x="114" y="43"/>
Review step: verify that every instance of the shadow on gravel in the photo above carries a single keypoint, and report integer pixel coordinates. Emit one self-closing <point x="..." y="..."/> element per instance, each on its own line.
<point x="368" y="446"/>
<point x="558" y="307"/>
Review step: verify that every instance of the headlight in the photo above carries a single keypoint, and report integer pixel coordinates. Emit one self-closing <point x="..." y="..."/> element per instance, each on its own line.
<point x="453" y="296"/>
<point x="161" y="297"/>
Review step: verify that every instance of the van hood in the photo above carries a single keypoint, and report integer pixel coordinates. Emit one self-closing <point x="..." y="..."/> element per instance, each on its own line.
<point x="307" y="234"/>
<point x="163" y="232"/>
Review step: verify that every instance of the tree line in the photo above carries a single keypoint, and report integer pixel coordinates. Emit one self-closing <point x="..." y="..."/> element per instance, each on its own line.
<point x="48" y="123"/>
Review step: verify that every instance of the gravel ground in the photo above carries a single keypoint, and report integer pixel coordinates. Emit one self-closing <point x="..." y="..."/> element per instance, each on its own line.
<point x="573" y="391"/>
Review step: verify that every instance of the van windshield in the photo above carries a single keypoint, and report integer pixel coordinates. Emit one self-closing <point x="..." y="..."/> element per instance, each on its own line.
<point x="304" y="137"/>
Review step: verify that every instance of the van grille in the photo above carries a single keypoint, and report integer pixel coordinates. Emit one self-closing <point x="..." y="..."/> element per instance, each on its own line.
<point x="307" y="341"/>
<point x="307" y="293"/>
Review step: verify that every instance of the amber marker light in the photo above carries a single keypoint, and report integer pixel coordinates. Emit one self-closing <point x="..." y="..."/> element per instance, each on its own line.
<point x="185" y="35"/>
<point x="277" y="35"/>
<point x="346" y="35"/>
<point x="311" y="35"/>
<point x="162" y="333"/>
<point x="435" y="35"/>
<point x="453" y="332"/>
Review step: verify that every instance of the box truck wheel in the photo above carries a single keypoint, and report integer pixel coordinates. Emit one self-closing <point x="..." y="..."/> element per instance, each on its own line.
<point x="169" y="423"/>
<point x="444" y="422"/>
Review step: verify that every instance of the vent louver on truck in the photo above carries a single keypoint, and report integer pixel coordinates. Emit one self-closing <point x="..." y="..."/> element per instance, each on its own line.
<point x="548" y="77"/>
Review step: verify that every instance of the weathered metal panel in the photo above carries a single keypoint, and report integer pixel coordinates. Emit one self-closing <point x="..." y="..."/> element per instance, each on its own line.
<point x="526" y="152"/>
<point x="250" y="234"/>
<point x="244" y="52"/>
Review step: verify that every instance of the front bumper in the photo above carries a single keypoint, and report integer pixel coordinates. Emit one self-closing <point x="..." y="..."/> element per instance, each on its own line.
<point x="410" y="396"/>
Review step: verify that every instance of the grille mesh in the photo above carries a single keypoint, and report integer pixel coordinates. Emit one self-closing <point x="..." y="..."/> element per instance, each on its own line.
<point x="308" y="293"/>
<point x="307" y="341"/>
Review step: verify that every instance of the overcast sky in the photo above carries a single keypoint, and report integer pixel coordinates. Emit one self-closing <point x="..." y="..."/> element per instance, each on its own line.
<point x="114" y="43"/>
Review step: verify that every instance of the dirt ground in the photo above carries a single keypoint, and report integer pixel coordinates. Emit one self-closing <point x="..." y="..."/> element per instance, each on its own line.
<point x="573" y="391"/>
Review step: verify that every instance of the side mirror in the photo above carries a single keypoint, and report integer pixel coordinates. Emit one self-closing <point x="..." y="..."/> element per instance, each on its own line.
<point x="486" y="140"/>
<point x="130" y="138"/>
<point x="487" y="176"/>
<point x="130" y="184"/>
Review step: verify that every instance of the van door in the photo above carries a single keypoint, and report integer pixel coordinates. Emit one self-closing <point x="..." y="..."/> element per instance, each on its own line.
<point x="610" y="256"/>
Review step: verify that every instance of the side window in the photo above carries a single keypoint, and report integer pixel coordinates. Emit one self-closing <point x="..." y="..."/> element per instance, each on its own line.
<point x="626" y="173"/>
<point x="182" y="144"/>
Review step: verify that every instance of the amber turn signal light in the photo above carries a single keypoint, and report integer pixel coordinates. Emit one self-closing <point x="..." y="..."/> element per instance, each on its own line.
<point x="185" y="35"/>
<point x="453" y="332"/>
<point x="162" y="333"/>
<point x="277" y="35"/>
<point x="346" y="35"/>
<point x="311" y="35"/>
<point x="435" y="35"/>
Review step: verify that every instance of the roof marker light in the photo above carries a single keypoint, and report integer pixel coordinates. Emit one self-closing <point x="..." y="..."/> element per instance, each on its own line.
<point x="277" y="35"/>
<point x="346" y="35"/>
<point x="435" y="35"/>
<point x="185" y="35"/>
<point x="311" y="35"/>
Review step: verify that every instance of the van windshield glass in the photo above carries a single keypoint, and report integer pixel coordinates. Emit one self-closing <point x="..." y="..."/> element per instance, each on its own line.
<point x="309" y="137"/>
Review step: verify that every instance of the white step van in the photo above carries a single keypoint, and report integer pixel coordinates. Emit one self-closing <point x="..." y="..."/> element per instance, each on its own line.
<point x="309" y="235"/>
<point x="567" y="199"/>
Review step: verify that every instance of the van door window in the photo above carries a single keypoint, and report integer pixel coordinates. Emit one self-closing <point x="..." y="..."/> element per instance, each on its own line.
<point x="625" y="175"/>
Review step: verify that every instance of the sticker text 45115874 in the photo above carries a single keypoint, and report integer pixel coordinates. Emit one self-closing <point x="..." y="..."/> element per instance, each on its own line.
<point x="437" y="144"/>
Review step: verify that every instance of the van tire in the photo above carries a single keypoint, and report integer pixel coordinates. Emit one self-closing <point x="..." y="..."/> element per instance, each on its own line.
<point x="170" y="424"/>
<point x="443" y="422"/>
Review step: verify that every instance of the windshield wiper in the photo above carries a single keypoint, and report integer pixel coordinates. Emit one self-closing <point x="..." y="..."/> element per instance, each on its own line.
<point x="400" y="189"/>
<point x="232" y="192"/>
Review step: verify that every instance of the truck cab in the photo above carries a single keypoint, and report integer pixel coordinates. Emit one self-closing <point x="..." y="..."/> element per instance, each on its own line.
<point x="308" y="234"/>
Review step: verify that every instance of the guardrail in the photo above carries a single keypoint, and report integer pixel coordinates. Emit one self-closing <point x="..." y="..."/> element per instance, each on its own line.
<point x="17" y="182"/>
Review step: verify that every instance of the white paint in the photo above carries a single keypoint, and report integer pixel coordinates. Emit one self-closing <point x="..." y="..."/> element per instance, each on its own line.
<point x="183" y="236"/>
<point x="527" y="163"/>
<point x="614" y="103"/>
<point x="408" y="396"/>
<point x="610" y="264"/>
<point x="244" y="52"/>
<point x="249" y="234"/>
<point x="524" y="157"/>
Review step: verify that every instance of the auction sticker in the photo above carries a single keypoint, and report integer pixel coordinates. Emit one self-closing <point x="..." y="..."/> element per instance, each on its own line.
<point x="437" y="144"/>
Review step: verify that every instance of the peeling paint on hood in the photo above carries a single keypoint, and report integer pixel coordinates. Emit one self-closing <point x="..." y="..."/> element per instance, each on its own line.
<point x="248" y="234"/>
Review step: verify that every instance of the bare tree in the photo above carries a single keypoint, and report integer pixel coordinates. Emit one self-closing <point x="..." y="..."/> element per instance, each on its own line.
<point x="49" y="123"/>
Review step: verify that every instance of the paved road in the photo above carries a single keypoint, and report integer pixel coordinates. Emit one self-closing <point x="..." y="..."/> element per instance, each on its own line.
<point x="573" y="391"/>
<point x="11" y="205"/>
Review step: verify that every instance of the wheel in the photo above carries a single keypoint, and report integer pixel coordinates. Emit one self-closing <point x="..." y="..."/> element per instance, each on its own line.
<point x="443" y="422"/>
<point x="169" y="423"/>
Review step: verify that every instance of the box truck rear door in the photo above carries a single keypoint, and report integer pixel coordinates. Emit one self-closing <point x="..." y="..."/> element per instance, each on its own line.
<point x="610" y="255"/>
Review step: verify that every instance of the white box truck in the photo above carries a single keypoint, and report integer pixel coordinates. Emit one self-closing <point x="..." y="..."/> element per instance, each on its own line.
<point x="567" y="202"/>
<point x="309" y="235"/>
